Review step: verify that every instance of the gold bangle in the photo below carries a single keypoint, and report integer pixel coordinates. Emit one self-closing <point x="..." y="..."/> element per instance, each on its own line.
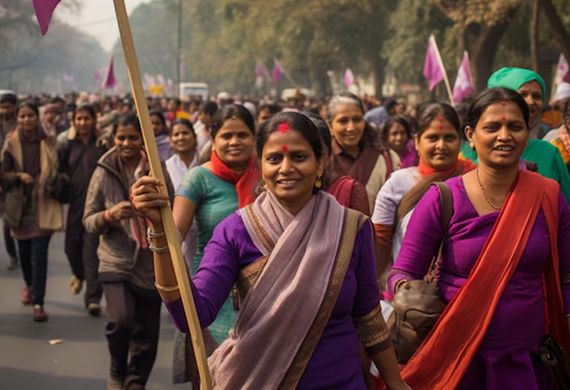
<point x="165" y="288"/>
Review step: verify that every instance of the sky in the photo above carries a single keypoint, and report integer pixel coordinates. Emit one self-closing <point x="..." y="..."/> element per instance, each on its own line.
<point x="97" y="18"/>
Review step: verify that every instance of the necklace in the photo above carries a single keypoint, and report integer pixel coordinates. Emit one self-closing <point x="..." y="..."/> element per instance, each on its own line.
<point x="484" y="192"/>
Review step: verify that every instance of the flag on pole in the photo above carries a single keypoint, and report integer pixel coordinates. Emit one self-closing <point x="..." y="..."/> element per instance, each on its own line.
<point x="463" y="87"/>
<point x="348" y="78"/>
<point x="261" y="70"/>
<point x="111" y="81"/>
<point x="433" y="71"/>
<point x="277" y="72"/>
<point x="562" y="71"/>
<point x="44" y="10"/>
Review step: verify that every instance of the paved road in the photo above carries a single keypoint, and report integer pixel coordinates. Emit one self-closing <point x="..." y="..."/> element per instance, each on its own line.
<point x="28" y="361"/>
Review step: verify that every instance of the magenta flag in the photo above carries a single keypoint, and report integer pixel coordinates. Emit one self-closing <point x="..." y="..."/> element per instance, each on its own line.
<point x="277" y="71"/>
<point x="463" y="87"/>
<point x="433" y="69"/>
<point x="44" y="11"/>
<point x="111" y="81"/>
<point x="348" y="78"/>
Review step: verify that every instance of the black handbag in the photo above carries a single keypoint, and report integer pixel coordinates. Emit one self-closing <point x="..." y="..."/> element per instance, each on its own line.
<point x="554" y="359"/>
<point x="57" y="187"/>
<point x="417" y="304"/>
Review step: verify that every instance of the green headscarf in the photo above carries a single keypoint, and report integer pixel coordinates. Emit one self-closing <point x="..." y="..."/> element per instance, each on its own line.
<point x="514" y="78"/>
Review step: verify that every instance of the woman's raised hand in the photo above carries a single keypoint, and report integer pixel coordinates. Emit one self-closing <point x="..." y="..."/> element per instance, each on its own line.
<point x="147" y="200"/>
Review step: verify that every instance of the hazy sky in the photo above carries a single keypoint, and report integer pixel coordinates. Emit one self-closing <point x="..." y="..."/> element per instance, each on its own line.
<point x="97" y="18"/>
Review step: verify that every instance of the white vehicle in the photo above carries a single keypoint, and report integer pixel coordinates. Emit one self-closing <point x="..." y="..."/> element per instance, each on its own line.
<point x="193" y="89"/>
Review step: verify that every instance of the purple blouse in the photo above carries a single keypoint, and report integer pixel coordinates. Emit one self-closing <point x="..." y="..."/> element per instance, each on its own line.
<point x="336" y="360"/>
<point x="518" y="323"/>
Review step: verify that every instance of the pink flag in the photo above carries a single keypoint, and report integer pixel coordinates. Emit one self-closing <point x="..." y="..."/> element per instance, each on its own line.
<point x="463" y="87"/>
<point x="562" y="71"/>
<point x="44" y="10"/>
<point x="111" y="81"/>
<point x="261" y="70"/>
<point x="348" y="78"/>
<point x="433" y="71"/>
<point x="277" y="71"/>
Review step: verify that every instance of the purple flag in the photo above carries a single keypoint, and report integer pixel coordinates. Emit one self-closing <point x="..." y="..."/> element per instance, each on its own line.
<point x="111" y="81"/>
<point x="277" y="72"/>
<point x="44" y="10"/>
<point x="348" y="78"/>
<point x="433" y="71"/>
<point x="463" y="87"/>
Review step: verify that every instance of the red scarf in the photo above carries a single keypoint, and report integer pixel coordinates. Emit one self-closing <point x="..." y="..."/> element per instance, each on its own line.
<point x="460" y="167"/>
<point x="445" y="355"/>
<point x="245" y="184"/>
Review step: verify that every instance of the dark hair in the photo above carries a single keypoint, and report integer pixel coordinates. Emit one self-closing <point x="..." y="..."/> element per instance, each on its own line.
<point x="433" y="110"/>
<point x="126" y="120"/>
<point x="85" y="108"/>
<point x="160" y="116"/>
<point x="369" y="134"/>
<point x="9" y="98"/>
<point x="272" y="108"/>
<point x="323" y="128"/>
<point x="209" y="108"/>
<point x="29" y="104"/>
<point x="297" y="121"/>
<point x="490" y="96"/>
<point x="390" y="103"/>
<point x="398" y="119"/>
<point x="232" y="111"/>
<point x="566" y="110"/>
<point x="183" y="122"/>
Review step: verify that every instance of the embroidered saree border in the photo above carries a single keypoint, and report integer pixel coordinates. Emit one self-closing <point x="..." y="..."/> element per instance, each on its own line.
<point x="373" y="331"/>
<point x="354" y="221"/>
<point x="261" y="233"/>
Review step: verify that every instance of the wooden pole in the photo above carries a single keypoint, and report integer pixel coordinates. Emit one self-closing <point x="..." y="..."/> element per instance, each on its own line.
<point x="445" y="78"/>
<point x="156" y="171"/>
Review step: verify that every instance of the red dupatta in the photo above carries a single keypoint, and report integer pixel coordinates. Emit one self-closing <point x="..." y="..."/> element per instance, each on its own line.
<point x="244" y="184"/>
<point x="459" y="166"/>
<point x="445" y="355"/>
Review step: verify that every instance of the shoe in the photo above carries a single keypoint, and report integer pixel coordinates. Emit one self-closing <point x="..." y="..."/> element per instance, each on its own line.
<point x="13" y="264"/>
<point x="94" y="309"/>
<point x="25" y="296"/>
<point x="39" y="313"/>
<point x="75" y="285"/>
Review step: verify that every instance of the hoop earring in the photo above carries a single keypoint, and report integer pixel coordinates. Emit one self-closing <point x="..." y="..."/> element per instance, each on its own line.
<point x="318" y="183"/>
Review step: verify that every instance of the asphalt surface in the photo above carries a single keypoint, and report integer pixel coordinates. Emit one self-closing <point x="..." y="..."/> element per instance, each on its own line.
<point x="80" y="360"/>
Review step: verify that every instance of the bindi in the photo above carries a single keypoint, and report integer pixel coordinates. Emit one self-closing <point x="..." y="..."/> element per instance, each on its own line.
<point x="283" y="127"/>
<point x="504" y="119"/>
<point x="284" y="148"/>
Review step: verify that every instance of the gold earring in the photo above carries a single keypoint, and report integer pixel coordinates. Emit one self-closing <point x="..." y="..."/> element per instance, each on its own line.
<point x="318" y="183"/>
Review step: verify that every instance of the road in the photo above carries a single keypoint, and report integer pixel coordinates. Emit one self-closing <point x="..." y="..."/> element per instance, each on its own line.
<point x="28" y="361"/>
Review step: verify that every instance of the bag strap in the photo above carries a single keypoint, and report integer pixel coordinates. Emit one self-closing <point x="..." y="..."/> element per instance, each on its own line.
<point x="446" y="212"/>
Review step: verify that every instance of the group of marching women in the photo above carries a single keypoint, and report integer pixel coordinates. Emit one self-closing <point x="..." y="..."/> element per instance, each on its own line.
<point x="299" y="232"/>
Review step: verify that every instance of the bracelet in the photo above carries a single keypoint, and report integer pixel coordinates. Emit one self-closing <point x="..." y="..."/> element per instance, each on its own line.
<point x="166" y="288"/>
<point x="158" y="249"/>
<point x="150" y="233"/>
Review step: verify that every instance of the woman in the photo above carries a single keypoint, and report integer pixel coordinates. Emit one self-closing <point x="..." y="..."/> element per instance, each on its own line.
<point x="505" y="257"/>
<point x="29" y="162"/>
<point x="346" y="190"/>
<point x="562" y="138"/>
<point x="353" y="151"/>
<point x="160" y="130"/>
<point x="532" y="88"/>
<point x="280" y="230"/>
<point x="125" y="262"/>
<point x="78" y="156"/>
<point x="185" y="157"/>
<point x="397" y="135"/>
<point x="437" y="143"/>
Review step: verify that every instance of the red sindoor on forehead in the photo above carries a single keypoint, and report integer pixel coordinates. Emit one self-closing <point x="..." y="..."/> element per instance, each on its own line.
<point x="285" y="148"/>
<point x="283" y="127"/>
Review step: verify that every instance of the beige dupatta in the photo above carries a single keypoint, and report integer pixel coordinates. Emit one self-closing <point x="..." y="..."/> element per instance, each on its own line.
<point x="268" y="348"/>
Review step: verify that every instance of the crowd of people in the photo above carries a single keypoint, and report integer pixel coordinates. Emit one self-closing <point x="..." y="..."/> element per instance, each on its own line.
<point x="300" y="222"/>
